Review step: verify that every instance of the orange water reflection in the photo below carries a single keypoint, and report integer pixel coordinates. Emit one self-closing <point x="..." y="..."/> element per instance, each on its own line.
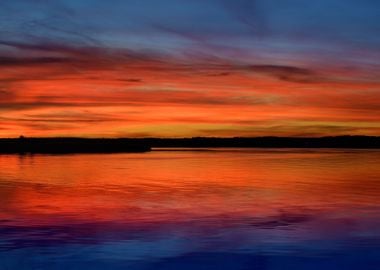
<point x="216" y="209"/>
<point x="169" y="186"/>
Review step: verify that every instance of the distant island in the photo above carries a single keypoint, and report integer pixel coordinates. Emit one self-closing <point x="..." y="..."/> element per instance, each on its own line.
<point x="136" y="145"/>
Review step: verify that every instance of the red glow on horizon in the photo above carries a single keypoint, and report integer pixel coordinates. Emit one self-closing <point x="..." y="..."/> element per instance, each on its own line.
<point x="94" y="96"/>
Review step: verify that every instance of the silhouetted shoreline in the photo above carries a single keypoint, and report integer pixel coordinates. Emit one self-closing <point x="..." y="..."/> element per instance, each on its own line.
<point x="135" y="145"/>
<point x="70" y="145"/>
<point x="367" y="142"/>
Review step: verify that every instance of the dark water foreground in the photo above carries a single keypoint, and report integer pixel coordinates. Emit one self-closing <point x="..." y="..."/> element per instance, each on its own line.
<point x="212" y="209"/>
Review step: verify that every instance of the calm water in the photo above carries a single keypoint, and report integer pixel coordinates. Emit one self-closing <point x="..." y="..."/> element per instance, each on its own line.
<point x="217" y="209"/>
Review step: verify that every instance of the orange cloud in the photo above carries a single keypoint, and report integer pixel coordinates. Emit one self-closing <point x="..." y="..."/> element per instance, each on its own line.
<point x="64" y="91"/>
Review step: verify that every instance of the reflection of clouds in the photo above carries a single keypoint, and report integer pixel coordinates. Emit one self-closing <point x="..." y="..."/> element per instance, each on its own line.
<point x="205" y="207"/>
<point x="284" y="219"/>
<point x="134" y="240"/>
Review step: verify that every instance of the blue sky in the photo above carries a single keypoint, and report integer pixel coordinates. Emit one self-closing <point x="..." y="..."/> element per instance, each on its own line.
<point x="177" y="24"/>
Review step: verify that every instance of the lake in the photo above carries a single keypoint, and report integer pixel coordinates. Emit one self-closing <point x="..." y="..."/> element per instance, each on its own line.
<point x="191" y="209"/>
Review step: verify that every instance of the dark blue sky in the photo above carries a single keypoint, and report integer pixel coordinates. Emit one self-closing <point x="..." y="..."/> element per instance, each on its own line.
<point x="218" y="27"/>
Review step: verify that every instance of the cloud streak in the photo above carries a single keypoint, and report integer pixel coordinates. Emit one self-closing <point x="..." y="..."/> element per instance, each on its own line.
<point x="212" y="68"/>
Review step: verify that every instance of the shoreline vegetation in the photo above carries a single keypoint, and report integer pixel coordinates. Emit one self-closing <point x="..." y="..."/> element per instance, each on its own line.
<point x="64" y="145"/>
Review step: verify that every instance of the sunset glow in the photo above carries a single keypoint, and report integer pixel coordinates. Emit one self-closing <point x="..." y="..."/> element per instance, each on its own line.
<point x="189" y="68"/>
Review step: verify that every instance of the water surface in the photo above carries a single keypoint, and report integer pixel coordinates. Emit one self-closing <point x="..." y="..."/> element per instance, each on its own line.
<point x="188" y="209"/>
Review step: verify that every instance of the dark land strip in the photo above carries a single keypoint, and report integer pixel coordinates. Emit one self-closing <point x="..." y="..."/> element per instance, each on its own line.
<point x="135" y="145"/>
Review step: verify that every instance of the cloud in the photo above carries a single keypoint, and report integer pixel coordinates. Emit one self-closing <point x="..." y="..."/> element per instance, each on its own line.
<point x="292" y="127"/>
<point x="187" y="73"/>
<point x="5" y="93"/>
<point x="64" y="117"/>
<point x="250" y="14"/>
<point x="71" y="59"/>
<point x="18" y="61"/>
<point x="38" y="46"/>
<point x="131" y="80"/>
<point x="286" y="73"/>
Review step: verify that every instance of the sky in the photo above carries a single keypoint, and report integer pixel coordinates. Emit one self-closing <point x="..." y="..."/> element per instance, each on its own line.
<point x="186" y="68"/>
